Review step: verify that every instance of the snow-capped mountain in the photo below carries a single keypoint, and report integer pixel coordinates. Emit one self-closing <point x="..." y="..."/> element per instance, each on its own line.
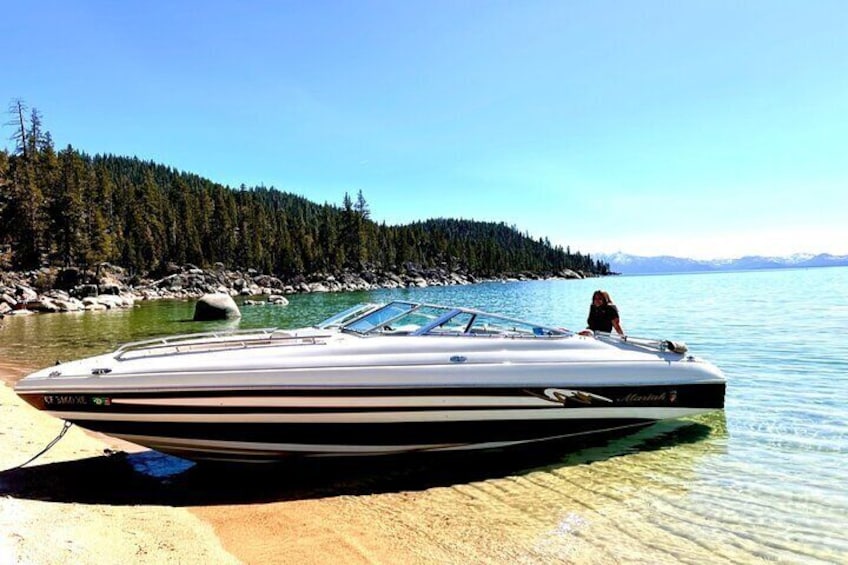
<point x="638" y="265"/>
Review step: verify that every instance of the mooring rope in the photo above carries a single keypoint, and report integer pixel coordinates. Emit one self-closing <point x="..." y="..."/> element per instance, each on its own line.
<point x="55" y="440"/>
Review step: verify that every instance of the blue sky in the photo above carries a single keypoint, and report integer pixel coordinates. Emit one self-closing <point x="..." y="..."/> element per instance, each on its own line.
<point x="697" y="129"/>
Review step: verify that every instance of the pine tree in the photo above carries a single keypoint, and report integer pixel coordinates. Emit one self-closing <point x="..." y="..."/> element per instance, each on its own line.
<point x="26" y="202"/>
<point x="68" y="216"/>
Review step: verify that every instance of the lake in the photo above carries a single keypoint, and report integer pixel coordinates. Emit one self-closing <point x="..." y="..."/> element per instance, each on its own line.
<point x="763" y="480"/>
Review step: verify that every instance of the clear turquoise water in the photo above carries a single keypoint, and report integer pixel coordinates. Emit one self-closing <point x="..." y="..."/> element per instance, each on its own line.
<point x="766" y="482"/>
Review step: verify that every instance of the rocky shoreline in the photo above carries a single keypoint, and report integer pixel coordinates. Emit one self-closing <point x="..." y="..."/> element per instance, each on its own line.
<point x="52" y="289"/>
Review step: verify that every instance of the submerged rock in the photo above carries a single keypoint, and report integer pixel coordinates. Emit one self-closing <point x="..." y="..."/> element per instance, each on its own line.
<point x="216" y="306"/>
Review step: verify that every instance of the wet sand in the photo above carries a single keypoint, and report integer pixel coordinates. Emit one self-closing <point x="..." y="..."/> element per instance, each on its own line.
<point x="94" y="499"/>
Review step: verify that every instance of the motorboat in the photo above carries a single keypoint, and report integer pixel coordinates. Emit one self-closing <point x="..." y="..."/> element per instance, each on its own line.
<point x="375" y="380"/>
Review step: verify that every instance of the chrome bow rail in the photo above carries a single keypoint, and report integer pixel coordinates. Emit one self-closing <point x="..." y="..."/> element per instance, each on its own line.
<point x="661" y="345"/>
<point x="213" y="341"/>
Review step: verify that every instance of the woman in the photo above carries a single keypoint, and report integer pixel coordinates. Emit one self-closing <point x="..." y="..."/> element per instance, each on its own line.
<point x="603" y="314"/>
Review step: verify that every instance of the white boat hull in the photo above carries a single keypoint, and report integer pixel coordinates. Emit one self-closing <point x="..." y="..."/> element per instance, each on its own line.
<point x="318" y="393"/>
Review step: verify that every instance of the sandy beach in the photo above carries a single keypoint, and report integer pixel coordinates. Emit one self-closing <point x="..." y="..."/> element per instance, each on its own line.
<point x="95" y="499"/>
<point x="40" y="520"/>
<point x="82" y="503"/>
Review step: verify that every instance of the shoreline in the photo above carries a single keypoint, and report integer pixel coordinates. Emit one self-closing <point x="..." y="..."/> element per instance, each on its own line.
<point x="39" y="519"/>
<point x="50" y="290"/>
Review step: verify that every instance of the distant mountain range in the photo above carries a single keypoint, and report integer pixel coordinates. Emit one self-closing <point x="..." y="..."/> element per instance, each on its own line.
<point x="637" y="265"/>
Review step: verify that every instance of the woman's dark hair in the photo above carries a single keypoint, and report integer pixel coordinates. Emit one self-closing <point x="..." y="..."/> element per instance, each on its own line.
<point x="604" y="296"/>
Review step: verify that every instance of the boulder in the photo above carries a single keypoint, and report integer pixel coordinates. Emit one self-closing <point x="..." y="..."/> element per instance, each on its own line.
<point x="85" y="290"/>
<point x="216" y="306"/>
<point x="25" y="294"/>
<point x="111" y="301"/>
<point x="43" y="304"/>
<point x="110" y="288"/>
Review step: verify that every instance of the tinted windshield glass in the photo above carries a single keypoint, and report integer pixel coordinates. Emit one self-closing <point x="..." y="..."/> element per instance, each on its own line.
<point x="405" y="318"/>
<point x="342" y="317"/>
<point x="380" y="317"/>
<point x="415" y="319"/>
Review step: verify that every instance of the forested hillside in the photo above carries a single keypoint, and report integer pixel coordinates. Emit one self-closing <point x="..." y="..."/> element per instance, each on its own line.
<point x="67" y="208"/>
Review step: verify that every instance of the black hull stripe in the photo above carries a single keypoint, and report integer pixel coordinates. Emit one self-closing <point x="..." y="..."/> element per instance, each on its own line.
<point x="263" y="452"/>
<point x="403" y="433"/>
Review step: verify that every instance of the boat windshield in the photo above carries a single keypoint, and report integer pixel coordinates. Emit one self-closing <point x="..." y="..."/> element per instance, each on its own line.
<point x="380" y="317"/>
<point x="342" y="318"/>
<point x="410" y="318"/>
